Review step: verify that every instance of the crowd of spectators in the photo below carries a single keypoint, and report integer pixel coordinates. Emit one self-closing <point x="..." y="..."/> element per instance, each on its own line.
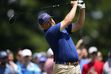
<point x="26" y="62"/>
<point x="91" y="61"/>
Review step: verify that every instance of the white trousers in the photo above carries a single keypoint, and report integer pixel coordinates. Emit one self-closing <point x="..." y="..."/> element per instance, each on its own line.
<point x="66" y="69"/>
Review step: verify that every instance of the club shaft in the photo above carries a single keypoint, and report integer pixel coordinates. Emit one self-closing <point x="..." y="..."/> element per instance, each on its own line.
<point x="57" y="5"/>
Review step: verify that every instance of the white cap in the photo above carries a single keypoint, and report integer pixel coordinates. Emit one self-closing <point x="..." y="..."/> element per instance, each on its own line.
<point x="92" y="49"/>
<point x="26" y="52"/>
<point x="50" y="52"/>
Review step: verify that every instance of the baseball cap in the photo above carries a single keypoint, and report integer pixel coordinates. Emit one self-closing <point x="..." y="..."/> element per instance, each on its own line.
<point x="26" y="52"/>
<point x="49" y="52"/>
<point x="92" y="49"/>
<point x="43" y="17"/>
<point x="42" y="59"/>
<point x="3" y="54"/>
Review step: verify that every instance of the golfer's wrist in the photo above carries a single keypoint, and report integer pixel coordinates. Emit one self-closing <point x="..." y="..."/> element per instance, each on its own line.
<point x="75" y="5"/>
<point x="82" y="6"/>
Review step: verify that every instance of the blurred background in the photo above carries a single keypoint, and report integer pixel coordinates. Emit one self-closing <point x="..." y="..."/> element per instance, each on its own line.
<point x="19" y="28"/>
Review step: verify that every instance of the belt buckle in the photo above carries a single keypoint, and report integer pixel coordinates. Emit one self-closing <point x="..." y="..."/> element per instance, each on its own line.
<point x="73" y="63"/>
<point x="69" y="63"/>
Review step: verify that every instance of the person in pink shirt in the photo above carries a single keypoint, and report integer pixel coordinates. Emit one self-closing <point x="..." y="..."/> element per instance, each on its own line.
<point x="49" y="62"/>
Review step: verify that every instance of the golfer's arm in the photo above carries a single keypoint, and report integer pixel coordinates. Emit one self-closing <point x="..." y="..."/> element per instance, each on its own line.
<point x="80" y="22"/>
<point x="69" y="17"/>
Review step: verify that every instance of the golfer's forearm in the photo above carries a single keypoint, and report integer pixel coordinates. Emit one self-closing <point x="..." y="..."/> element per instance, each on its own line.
<point x="80" y="22"/>
<point x="81" y="18"/>
<point x="69" y="17"/>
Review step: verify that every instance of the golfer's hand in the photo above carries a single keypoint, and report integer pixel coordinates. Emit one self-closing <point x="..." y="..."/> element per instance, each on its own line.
<point x="74" y="3"/>
<point x="81" y="4"/>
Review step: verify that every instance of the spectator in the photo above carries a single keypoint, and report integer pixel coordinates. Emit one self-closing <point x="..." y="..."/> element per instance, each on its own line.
<point x="42" y="60"/>
<point x="79" y="53"/>
<point x="3" y="60"/>
<point x="94" y="66"/>
<point x="49" y="62"/>
<point x="82" y="52"/>
<point x="28" y="67"/>
<point x="99" y="56"/>
<point x="19" y="58"/>
<point x="107" y="65"/>
<point x="11" y="66"/>
<point x="84" y="57"/>
<point x="79" y="43"/>
<point x="35" y="58"/>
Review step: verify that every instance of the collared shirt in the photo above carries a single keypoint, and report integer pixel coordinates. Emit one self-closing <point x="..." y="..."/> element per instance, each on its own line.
<point x="31" y="68"/>
<point x="11" y="70"/>
<point x="61" y="43"/>
<point x="19" y="67"/>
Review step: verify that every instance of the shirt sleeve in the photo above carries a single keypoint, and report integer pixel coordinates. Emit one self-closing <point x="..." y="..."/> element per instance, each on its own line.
<point x="69" y="28"/>
<point x="55" y="29"/>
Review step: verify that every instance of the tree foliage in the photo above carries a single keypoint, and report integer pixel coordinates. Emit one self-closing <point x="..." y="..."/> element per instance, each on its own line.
<point x="24" y="32"/>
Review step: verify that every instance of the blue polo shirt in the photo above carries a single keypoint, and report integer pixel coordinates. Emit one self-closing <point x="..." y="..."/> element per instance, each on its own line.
<point x="61" y="43"/>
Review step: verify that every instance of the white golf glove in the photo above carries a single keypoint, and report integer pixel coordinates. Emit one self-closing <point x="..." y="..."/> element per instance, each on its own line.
<point x="81" y="4"/>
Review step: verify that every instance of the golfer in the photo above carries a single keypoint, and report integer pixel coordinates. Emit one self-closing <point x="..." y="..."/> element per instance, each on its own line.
<point x="57" y="36"/>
